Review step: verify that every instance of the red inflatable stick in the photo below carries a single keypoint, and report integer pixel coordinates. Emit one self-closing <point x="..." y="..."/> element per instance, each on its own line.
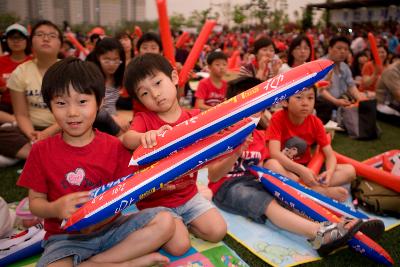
<point x="138" y="31"/>
<point x="195" y="52"/>
<point x="374" y="49"/>
<point x="182" y="40"/>
<point x="76" y="43"/>
<point x="165" y="31"/>
<point x="311" y="39"/>
<point x="316" y="161"/>
<point x="322" y="83"/>
<point x="233" y="60"/>
<point x="381" y="177"/>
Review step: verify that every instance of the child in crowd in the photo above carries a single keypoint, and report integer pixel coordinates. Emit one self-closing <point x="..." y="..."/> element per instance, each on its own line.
<point x="149" y="42"/>
<point x="151" y="79"/>
<point x="61" y="170"/>
<point x="109" y="56"/>
<point x="291" y="133"/>
<point x="211" y="91"/>
<point x="237" y="190"/>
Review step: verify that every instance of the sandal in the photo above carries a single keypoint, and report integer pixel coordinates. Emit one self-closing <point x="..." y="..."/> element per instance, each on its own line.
<point x="373" y="228"/>
<point x="331" y="236"/>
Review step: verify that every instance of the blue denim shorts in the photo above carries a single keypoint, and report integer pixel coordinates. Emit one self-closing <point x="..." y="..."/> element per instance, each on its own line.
<point x="192" y="209"/>
<point x="83" y="246"/>
<point x="244" y="196"/>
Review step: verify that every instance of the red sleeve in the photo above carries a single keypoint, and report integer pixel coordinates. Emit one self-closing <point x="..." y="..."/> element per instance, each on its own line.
<point x="201" y="92"/>
<point x="124" y="156"/>
<point x="320" y="134"/>
<point x="33" y="174"/>
<point x="368" y="69"/>
<point x="274" y="130"/>
<point x="138" y="123"/>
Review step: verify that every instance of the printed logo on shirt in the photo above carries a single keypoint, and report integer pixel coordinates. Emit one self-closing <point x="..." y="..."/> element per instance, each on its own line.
<point x="76" y="177"/>
<point x="35" y="98"/>
<point x="295" y="147"/>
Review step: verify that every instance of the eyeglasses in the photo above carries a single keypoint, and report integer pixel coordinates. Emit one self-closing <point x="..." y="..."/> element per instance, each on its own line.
<point x="42" y="35"/>
<point x="16" y="38"/>
<point x="111" y="61"/>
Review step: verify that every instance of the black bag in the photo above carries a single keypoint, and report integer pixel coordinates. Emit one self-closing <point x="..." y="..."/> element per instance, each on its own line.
<point x="360" y="121"/>
<point x="376" y="198"/>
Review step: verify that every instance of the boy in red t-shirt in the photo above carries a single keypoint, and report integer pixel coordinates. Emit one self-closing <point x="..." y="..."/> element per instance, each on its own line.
<point x="61" y="170"/>
<point x="211" y="91"/>
<point x="291" y="133"/>
<point x="151" y="79"/>
<point x="237" y="190"/>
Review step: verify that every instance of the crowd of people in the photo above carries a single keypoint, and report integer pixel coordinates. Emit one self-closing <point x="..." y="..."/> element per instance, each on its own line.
<point x="61" y="110"/>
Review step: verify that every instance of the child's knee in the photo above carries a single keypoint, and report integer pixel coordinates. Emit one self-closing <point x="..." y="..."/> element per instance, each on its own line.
<point x="217" y="232"/>
<point x="179" y="247"/>
<point x="350" y="171"/>
<point x="165" y="223"/>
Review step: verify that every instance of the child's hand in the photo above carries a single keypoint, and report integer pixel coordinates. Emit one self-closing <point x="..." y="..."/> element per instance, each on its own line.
<point x="149" y="139"/>
<point x="325" y="178"/>
<point x="66" y="205"/>
<point x="308" y="177"/>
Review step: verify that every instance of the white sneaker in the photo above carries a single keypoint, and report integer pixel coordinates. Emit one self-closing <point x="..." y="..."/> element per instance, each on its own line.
<point x="5" y="161"/>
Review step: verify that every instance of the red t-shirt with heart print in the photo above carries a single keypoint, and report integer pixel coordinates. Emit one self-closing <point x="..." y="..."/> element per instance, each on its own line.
<point x="56" y="169"/>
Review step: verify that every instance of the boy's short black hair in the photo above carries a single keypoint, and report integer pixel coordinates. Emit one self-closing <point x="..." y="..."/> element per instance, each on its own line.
<point x="240" y="85"/>
<point x="338" y="38"/>
<point x="143" y="66"/>
<point x="313" y="87"/>
<point x="85" y="77"/>
<point x="148" y="37"/>
<point x="216" y="55"/>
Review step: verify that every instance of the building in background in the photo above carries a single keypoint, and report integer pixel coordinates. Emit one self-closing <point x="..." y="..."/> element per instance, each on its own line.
<point x="101" y="12"/>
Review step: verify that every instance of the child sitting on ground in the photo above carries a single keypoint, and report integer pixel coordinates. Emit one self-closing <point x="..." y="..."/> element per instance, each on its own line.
<point x="151" y="79"/>
<point x="291" y="133"/>
<point x="61" y="170"/>
<point x="237" y="190"/>
<point x="211" y="91"/>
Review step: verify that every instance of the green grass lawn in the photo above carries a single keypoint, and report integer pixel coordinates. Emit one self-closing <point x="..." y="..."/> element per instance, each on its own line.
<point x="359" y="150"/>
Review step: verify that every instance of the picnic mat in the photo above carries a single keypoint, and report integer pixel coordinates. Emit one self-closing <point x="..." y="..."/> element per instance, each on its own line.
<point x="273" y="245"/>
<point x="201" y="253"/>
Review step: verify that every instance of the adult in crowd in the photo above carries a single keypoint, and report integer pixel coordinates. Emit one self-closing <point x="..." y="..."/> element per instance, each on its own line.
<point x="342" y="89"/>
<point x="299" y="52"/>
<point x="388" y="94"/>
<point x="266" y="63"/>
<point x="34" y="119"/>
<point x="18" y="51"/>
<point x="371" y="72"/>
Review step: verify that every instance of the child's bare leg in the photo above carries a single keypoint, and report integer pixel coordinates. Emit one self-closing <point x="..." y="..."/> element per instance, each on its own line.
<point x="141" y="242"/>
<point x="344" y="173"/>
<point x="209" y="226"/>
<point x="290" y="221"/>
<point x="180" y="241"/>
<point x="275" y="166"/>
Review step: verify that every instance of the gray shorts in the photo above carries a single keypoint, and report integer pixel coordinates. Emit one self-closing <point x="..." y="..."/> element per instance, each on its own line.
<point x="192" y="209"/>
<point x="83" y="246"/>
<point x="244" y="196"/>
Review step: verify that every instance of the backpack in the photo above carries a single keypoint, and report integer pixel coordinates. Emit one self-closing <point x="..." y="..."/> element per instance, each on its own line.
<point x="360" y="120"/>
<point x="376" y="198"/>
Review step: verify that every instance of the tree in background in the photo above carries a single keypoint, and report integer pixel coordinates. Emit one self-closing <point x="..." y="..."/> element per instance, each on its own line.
<point x="238" y="14"/>
<point x="6" y="19"/>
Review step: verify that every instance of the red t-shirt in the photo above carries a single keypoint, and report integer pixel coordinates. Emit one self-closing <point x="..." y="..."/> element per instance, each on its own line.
<point x="57" y="169"/>
<point x="6" y="67"/>
<point x="179" y="191"/>
<point x="296" y="139"/>
<point x="254" y="155"/>
<point x="211" y="95"/>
